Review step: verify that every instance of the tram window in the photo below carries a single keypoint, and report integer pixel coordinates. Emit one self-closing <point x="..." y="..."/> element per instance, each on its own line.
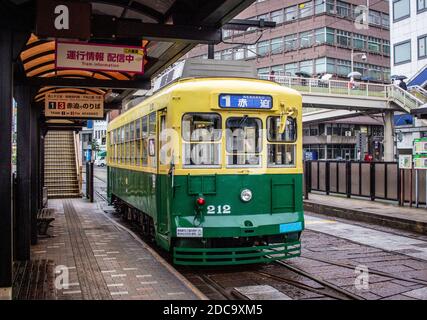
<point x="127" y="133"/>
<point x="138" y="129"/>
<point x="144" y="127"/>
<point x="132" y="152"/>
<point x="281" y="155"/>
<point x="138" y="152"/>
<point x="273" y="127"/>
<point x="201" y="127"/>
<point x="201" y="133"/>
<point x="244" y="141"/>
<point x="127" y="152"/>
<point x="131" y="131"/>
<point x="122" y="134"/>
<point x="152" y="123"/>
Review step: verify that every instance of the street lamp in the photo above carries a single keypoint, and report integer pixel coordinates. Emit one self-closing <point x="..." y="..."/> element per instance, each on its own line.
<point x="354" y="54"/>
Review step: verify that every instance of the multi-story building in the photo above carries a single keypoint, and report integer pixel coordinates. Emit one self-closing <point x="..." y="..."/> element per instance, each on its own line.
<point x="408" y="37"/>
<point x="408" y="34"/>
<point x="316" y="37"/>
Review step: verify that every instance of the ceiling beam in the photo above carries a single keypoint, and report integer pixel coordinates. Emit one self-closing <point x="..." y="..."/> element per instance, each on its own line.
<point x="89" y="83"/>
<point x="111" y="28"/>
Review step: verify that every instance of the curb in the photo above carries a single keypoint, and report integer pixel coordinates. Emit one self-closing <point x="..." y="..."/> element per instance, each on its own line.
<point x="358" y="215"/>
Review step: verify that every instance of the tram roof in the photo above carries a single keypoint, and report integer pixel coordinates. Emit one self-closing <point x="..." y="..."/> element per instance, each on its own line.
<point x="167" y="30"/>
<point x="207" y="86"/>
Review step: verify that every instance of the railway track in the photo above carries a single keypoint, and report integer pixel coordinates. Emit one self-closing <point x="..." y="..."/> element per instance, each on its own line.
<point x="222" y="283"/>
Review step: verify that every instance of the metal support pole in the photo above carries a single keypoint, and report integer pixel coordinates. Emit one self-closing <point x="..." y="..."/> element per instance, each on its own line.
<point x="87" y="179"/>
<point x="23" y="169"/>
<point x="416" y="188"/>
<point x="306" y="179"/>
<point x="388" y="136"/>
<point x="410" y="188"/>
<point x="211" y="51"/>
<point x="6" y="225"/>
<point x="91" y="182"/>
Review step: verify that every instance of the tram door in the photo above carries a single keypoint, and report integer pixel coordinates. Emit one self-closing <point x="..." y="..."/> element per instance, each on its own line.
<point x="162" y="177"/>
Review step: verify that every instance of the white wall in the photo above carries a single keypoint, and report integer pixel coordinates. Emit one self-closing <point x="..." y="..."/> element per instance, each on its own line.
<point x="410" y="28"/>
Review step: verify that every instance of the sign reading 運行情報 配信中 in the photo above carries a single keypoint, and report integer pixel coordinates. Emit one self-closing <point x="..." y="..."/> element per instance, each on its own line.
<point x="70" y="105"/>
<point x="89" y="56"/>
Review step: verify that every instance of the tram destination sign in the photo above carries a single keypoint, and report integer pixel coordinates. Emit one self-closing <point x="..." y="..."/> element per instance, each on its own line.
<point x="245" y="101"/>
<point x="70" y="105"/>
<point x="99" y="57"/>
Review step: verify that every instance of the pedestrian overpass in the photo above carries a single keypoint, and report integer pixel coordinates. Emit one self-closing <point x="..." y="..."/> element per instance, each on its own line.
<point x="332" y="99"/>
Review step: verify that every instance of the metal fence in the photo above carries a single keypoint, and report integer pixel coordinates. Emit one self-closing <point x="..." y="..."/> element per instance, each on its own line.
<point x="355" y="178"/>
<point x="373" y="180"/>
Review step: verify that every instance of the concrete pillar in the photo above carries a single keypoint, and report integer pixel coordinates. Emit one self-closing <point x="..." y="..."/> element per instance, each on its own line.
<point x="388" y="136"/>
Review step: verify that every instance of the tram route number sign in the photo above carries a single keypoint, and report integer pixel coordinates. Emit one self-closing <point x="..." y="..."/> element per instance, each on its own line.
<point x="67" y="105"/>
<point x="245" y="101"/>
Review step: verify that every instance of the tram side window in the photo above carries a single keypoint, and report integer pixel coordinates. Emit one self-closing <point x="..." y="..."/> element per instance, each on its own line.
<point x="132" y="143"/>
<point x="152" y="139"/>
<point x="144" y="127"/>
<point x="122" y="145"/>
<point x="201" y="135"/>
<point x="244" y="141"/>
<point x="281" y="154"/>
<point x="138" y="142"/>
<point x="127" y="147"/>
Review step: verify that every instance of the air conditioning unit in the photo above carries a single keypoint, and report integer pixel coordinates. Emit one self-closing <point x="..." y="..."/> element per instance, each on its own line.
<point x="347" y="133"/>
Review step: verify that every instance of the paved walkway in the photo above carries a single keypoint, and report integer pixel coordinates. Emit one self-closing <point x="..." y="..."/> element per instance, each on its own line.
<point x="104" y="260"/>
<point x="406" y="218"/>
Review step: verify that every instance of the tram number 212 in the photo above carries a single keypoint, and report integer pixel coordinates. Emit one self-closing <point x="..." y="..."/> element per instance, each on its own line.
<point x="221" y="209"/>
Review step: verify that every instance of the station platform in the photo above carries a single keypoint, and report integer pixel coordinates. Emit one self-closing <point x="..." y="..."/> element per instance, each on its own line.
<point x="375" y="212"/>
<point x="103" y="259"/>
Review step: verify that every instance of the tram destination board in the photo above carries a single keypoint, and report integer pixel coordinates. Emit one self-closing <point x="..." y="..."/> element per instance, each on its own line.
<point x="245" y="101"/>
<point x="66" y="105"/>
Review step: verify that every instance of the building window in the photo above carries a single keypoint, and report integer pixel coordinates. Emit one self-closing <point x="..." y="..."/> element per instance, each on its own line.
<point x="291" y="42"/>
<point x="306" y="66"/>
<point x="343" y="9"/>
<point x="374" y="17"/>
<point x="319" y="36"/>
<point x="359" y="41"/>
<point x="402" y="52"/>
<point x="239" y="54"/>
<point x="251" y="51"/>
<point x="277" y="16"/>
<point x="278" y="70"/>
<point x="385" y="20"/>
<point x="422" y="44"/>
<point x="319" y="6"/>
<point x="386" y="47"/>
<point x="330" y="36"/>
<point x="343" y="67"/>
<point x="263" y="71"/>
<point x="374" y="44"/>
<point x="401" y="9"/>
<point x="343" y="38"/>
<point x="305" y="9"/>
<point x="320" y="66"/>
<point x="291" y="13"/>
<point x="290" y="69"/>
<point x="276" y="45"/>
<point x="306" y="39"/>
<point x="263" y="48"/>
<point x="421" y="5"/>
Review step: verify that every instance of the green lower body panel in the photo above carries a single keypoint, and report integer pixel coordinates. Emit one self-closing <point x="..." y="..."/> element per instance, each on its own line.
<point x="236" y="256"/>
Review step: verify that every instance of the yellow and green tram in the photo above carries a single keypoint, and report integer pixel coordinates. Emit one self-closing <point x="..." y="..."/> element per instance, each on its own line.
<point x="211" y="169"/>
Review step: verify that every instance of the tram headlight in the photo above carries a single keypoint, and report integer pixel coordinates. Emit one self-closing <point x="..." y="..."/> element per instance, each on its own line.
<point x="246" y="195"/>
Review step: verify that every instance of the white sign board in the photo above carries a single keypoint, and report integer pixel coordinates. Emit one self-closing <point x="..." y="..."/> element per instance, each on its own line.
<point x="189" y="232"/>
<point x="90" y="56"/>
<point x="405" y="161"/>
<point x="70" y="105"/>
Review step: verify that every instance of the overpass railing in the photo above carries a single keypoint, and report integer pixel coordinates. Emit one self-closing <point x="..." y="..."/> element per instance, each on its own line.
<point x="402" y="98"/>
<point x="329" y="87"/>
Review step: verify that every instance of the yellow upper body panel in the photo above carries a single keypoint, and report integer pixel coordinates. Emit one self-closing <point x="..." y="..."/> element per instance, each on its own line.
<point x="202" y="95"/>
